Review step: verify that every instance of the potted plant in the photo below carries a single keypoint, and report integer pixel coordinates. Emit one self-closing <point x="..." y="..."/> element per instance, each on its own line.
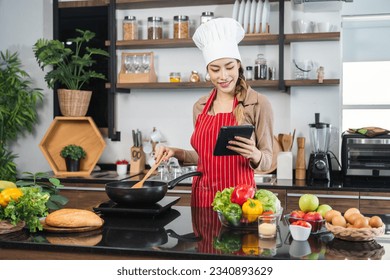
<point x="121" y="166"/>
<point x="72" y="155"/>
<point x="71" y="70"/>
<point x="18" y="109"/>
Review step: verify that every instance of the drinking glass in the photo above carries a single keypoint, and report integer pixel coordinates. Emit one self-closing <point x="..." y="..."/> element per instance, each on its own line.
<point x="145" y="63"/>
<point x="137" y="63"/>
<point x="129" y="64"/>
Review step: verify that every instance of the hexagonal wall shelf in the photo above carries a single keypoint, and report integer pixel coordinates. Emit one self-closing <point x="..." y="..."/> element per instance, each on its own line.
<point x="81" y="131"/>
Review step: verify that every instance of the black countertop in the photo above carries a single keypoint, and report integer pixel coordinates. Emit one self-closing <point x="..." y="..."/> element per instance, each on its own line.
<point x="183" y="232"/>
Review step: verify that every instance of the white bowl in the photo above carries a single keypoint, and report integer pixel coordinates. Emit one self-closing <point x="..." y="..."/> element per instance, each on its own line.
<point x="300" y="233"/>
<point x="299" y="249"/>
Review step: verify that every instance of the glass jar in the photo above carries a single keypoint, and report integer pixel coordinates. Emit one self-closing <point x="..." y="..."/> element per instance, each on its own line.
<point x="260" y="67"/>
<point x="175" y="77"/>
<point x="194" y="77"/>
<point x="249" y="73"/>
<point x="130" y="28"/>
<point x="206" y="16"/>
<point x="155" y="28"/>
<point x="181" y="27"/>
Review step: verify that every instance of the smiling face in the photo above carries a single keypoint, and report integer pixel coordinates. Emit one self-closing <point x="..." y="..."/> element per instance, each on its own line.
<point x="224" y="74"/>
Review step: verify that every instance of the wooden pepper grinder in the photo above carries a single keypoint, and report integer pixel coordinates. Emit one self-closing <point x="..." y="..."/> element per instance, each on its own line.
<point x="300" y="164"/>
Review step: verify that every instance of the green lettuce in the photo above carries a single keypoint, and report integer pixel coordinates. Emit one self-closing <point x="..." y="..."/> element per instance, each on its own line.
<point x="269" y="200"/>
<point x="222" y="199"/>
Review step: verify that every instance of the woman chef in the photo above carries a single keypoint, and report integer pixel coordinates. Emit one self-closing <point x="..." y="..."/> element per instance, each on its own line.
<point x="231" y="102"/>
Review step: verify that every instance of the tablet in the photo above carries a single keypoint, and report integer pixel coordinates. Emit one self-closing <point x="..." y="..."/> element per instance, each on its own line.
<point x="227" y="133"/>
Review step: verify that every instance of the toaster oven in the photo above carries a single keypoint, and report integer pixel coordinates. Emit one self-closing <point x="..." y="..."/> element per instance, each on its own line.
<point x="364" y="156"/>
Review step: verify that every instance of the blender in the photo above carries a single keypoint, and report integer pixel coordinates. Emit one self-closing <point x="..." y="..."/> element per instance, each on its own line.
<point x="320" y="162"/>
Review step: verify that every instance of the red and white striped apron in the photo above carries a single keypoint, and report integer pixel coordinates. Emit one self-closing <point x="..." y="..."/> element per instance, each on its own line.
<point x="218" y="172"/>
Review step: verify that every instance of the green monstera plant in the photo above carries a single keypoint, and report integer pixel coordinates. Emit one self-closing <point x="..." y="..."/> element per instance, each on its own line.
<point x="18" y="109"/>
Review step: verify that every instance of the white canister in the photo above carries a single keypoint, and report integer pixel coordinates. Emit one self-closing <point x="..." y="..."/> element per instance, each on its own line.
<point x="285" y="166"/>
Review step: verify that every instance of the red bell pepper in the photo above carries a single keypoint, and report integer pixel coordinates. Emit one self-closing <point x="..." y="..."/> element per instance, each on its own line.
<point x="241" y="193"/>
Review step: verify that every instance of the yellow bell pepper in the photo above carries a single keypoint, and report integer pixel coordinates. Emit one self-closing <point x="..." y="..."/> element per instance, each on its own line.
<point x="250" y="244"/>
<point x="251" y="209"/>
<point x="2" y="201"/>
<point x="10" y="194"/>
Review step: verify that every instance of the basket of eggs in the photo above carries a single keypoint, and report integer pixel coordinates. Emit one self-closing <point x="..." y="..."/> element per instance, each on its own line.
<point x="353" y="225"/>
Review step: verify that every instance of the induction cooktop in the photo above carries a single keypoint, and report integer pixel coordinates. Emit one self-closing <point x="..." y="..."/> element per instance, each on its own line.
<point x="159" y="207"/>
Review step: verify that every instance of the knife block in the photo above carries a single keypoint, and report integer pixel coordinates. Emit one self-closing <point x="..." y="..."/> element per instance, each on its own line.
<point x="137" y="160"/>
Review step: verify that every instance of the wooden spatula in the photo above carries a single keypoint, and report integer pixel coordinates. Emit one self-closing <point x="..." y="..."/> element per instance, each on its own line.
<point x="152" y="169"/>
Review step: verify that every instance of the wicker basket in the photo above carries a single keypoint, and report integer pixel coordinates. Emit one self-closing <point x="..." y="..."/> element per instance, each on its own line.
<point x="355" y="234"/>
<point x="6" y="227"/>
<point x="74" y="103"/>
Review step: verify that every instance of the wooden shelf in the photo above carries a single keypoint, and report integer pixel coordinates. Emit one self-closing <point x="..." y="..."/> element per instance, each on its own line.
<point x="297" y="83"/>
<point x="249" y="40"/>
<point x="146" y="4"/>
<point x="188" y="85"/>
<point x="312" y="37"/>
<point x="80" y="131"/>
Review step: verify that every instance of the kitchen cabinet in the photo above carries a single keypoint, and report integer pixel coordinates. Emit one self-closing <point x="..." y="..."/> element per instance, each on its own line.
<point x="339" y="200"/>
<point x="281" y="39"/>
<point x="374" y="203"/>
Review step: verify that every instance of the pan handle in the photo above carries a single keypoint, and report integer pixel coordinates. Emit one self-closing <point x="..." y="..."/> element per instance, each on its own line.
<point x="174" y="182"/>
<point x="190" y="237"/>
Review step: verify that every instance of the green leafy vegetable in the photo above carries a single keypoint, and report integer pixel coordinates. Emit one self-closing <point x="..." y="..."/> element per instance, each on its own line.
<point x="222" y="199"/>
<point x="269" y="200"/>
<point x="29" y="208"/>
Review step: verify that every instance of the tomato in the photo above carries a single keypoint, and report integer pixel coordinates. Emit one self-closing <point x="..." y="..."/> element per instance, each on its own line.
<point x="301" y="223"/>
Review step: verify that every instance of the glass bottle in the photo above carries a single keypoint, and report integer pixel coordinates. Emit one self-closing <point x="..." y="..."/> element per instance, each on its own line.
<point x="206" y="16"/>
<point x="194" y="77"/>
<point x="181" y="28"/>
<point x="249" y="73"/>
<point x="130" y="28"/>
<point x="155" y="29"/>
<point x="174" y="77"/>
<point x="260" y="67"/>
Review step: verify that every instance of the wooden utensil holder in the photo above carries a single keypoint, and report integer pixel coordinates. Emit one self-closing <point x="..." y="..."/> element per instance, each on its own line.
<point x="149" y="77"/>
<point x="137" y="160"/>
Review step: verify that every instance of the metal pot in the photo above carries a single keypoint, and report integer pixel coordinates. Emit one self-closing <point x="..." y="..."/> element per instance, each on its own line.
<point x="151" y="192"/>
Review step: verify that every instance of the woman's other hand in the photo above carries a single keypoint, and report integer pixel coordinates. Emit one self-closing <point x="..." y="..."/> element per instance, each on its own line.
<point x="161" y="150"/>
<point x="245" y="147"/>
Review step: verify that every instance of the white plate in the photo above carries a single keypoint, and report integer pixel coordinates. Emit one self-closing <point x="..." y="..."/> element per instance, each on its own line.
<point x="236" y="6"/>
<point x="259" y="12"/>
<point x="241" y="12"/>
<point x="247" y="15"/>
<point x="252" y="17"/>
<point x="265" y="16"/>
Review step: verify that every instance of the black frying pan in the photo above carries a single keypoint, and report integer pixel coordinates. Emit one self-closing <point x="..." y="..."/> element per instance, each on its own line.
<point x="151" y="192"/>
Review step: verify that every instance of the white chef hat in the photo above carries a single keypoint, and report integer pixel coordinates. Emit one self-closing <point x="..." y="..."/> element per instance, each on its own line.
<point x="219" y="38"/>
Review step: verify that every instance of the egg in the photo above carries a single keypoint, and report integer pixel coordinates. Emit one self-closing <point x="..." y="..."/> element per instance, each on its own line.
<point x="330" y="214"/>
<point x="350" y="212"/>
<point x="339" y="220"/>
<point x="375" y="222"/>
<point x="361" y="222"/>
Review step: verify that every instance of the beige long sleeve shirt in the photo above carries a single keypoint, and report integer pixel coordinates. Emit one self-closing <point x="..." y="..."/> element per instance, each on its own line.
<point x="258" y="112"/>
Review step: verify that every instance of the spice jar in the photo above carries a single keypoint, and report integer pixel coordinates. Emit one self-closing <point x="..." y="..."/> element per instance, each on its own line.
<point x="206" y="16"/>
<point x="260" y="68"/>
<point x="130" y="28"/>
<point x="155" y="29"/>
<point x="194" y="77"/>
<point x="174" y="77"/>
<point x="181" y="28"/>
<point x="249" y="73"/>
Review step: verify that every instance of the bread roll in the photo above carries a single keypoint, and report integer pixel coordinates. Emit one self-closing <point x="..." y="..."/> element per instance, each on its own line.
<point x="75" y="240"/>
<point x="71" y="218"/>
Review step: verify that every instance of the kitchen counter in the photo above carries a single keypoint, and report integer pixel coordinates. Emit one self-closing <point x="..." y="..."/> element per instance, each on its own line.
<point x="182" y="232"/>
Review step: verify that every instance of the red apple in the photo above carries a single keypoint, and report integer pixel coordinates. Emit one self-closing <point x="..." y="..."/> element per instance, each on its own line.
<point x="312" y="216"/>
<point x="296" y="215"/>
